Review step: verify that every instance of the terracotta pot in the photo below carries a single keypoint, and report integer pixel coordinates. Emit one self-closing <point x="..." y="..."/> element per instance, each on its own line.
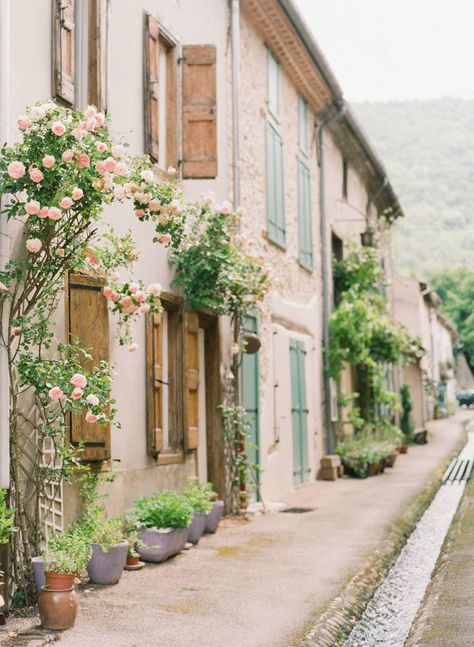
<point x="107" y="567"/>
<point x="161" y="543"/>
<point x="133" y="561"/>
<point x="390" y="460"/>
<point x="59" y="581"/>
<point x="57" y="608"/>
<point x="197" y="527"/>
<point x="214" y="516"/>
<point x="403" y="449"/>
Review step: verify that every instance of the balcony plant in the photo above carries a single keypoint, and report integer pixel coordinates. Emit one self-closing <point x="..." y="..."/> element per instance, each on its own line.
<point x="199" y="497"/>
<point x="162" y="521"/>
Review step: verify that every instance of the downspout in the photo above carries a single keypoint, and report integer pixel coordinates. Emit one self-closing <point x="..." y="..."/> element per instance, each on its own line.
<point x="326" y="260"/>
<point x="4" y="243"/>
<point x="235" y="34"/>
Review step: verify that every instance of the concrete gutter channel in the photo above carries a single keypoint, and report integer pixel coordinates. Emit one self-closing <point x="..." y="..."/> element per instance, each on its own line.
<point x="256" y="585"/>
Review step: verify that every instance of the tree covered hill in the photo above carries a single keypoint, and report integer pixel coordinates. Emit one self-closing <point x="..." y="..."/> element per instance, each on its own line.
<point x="428" y="149"/>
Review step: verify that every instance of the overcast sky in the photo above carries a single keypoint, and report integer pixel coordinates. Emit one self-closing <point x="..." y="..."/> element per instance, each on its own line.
<point x="383" y="50"/>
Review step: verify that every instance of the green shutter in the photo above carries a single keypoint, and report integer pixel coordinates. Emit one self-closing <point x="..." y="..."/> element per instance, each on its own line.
<point x="275" y="187"/>
<point x="305" y="230"/>
<point x="299" y="411"/>
<point x="274" y="92"/>
<point x="303" y="124"/>
<point x="250" y="400"/>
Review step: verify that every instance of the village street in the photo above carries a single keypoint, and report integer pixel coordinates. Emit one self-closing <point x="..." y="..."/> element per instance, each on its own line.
<point x="262" y="583"/>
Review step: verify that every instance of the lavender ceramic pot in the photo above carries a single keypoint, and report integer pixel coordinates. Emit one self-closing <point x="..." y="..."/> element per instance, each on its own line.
<point x="106" y="568"/>
<point x="161" y="543"/>
<point x="38" y="571"/>
<point x="214" y="516"/>
<point x="197" y="527"/>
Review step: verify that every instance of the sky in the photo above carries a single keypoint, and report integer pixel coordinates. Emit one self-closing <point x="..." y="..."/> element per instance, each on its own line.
<point x="385" y="50"/>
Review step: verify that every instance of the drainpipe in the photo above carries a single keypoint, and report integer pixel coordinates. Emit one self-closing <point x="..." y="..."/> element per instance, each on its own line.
<point x="235" y="33"/>
<point x="326" y="260"/>
<point x="4" y="243"/>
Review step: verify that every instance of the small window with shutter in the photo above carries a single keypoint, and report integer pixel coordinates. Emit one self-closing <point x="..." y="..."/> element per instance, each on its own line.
<point x="305" y="230"/>
<point x="63" y="51"/>
<point x="275" y="188"/>
<point x="89" y="323"/>
<point x="97" y="55"/>
<point x="199" y="111"/>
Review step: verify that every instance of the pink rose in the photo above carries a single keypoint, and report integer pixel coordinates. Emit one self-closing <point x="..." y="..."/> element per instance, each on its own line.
<point x="133" y="287"/>
<point x="58" y="128"/>
<point x="139" y="213"/>
<point x="78" y="134"/>
<point x="110" y="164"/>
<point x="155" y="289"/>
<point x="77" y="193"/>
<point x="132" y="348"/>
<point x="54" y="213"/>
<point x="154" y="205"/>
<point x="90" y="417"/>
<point x="101" y="147"/>
<point x="68" y="155"/>
<point x="226" y="208"/>
<point x="66" y="202"/>
<point x="107" y="292"/>
<point x="99" y="120"/>
<point x="140" y="296"/>
<point x="174" y="206"/>
<point x="126" y="301"/>
<point x="93" y="400"/>
<point x="91" y="111"/>
<point x="55" y="393"/>
<point x="118" y="151"/>
<point x="163" y="218"/>
<point x="119" y="192"/>
<point x="77" y="393"/>
<point x="15" y="330"/>
<point x="22" y="122"/>
<point x="115" y="297"/>
<point x="36" y="175"/>
<point x="16" y="170"/>
<point x="48" y="161"/>
<point x="100" y="167"/>
<point x="78" y="380"/>
<point x="43" y="212"/>
<point x="32" y="207"/>
<point x="121" y="168"/>
<point x="145" y="307"/>
<point x="33" y="245"/>
<point x="83" y="160"/>
<point x="165" y="239"/>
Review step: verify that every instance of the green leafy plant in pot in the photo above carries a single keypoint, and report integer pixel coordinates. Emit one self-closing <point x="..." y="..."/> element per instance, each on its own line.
<point x="65" y="558"/>
<point x="199" y="497"/>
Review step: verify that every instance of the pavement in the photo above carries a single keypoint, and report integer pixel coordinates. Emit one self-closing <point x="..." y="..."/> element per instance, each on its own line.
<point x="259" y="584"/>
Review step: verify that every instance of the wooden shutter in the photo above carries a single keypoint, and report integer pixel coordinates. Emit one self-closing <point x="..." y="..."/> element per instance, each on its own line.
<point x="154" y="385"/>
<point x="275" y="187"/>
<point x="299" y="411"/>
<point x="89" y="322"/>
<point x="97" y="77"/>
<point x="305" y="230"/>
<point x="63" y="51"/>
<point x="152" y="60"/>
<point x="199" y="112"/>
<point x="191" y="380"/>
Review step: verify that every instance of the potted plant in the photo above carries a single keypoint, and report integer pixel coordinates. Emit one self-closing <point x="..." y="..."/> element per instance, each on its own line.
<point x="109" y="551"/>
<point x="406" y="421"/>
<point x="133" y="562"/>
<point x="162" y="521"/>
<point x="198" y="496"/>
<point x="214" y="516"/>
<point x="64" y="559"/>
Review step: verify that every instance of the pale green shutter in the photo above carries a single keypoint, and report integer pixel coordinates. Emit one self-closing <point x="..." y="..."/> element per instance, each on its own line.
<point x="250" y="401"/>
<point x="275" y="187"/>
<point x="274" y="93"/>
<point x="303" y="124"/>
<point x="299" y="411"/>
<point x="305" y="231"/>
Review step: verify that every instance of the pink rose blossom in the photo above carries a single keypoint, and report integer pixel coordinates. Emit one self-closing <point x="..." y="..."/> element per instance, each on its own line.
<point x="121" y="169"/>
<point x="154" y="288"/>
<point x="91" y="111"/>
<point x="36" y="175"/>
<point x="132" y="348"/>
<point x="139" y="213"/>
<point x="93" y="400"/>
<point x="78" y="134"/>
<point x="145" y="307"/>
<point x="66" y="202"/>
<point x="77" y="393"/>
<point x="55" y="393"/>
<point x="90" y="417"/>
<point x="43" y="212"/>
<point x="133" y="287"/>
<point x="174" y="206"/>
<point x="33" y="245"/>
<point x="22" y="122"/>
<point x="16" y="170"/>
<point x="143" y="198"/>
<point x="58" y="128"/>
<point x="155" y="205"/>
<point x="126" y="301"/>
<point x="15" y="330"/>
<point x="110" y="164"/>
<point x="100" y="167"/>
<point x="48" y="161"/>
<point x="115" y="297"/>
<point x="90" y="124"/>
<point x="118" y="151"/>
<point x="99" y="120"/>
<point x="163" y="218"/>
<point x="107" y="292"/>
<point x="140" y="296"/>
<point x="83" y="160"/>
<point x="100" y="147"/>
<point x="77" y="193"/>
<point x="78" y="380"/>
<point x="119" y="192"/>
<point x="68" y="155"/>
<point x="32" y="207"/>
<point x="54" y="213"/>
<point x="165" y="239"/>
<point x="226" y="208"/>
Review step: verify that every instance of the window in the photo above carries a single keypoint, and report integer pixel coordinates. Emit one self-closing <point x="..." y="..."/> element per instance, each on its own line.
<point x="274" y="90"/>
<point x="344" y="179"/>
<point x="305" y="233"/>
<point x="337" y="255"/>
<point x="199" y="111"/>
<point x="64" y="76"/>
<point x="160" y="95"/>
<point x="303" y="139"/>
<point x="275" y="188"/>
<point x="97" y="55"/>
<point x="172" y="382"/>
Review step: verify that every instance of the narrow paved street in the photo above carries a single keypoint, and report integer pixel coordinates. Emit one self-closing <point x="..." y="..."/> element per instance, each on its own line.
<point x="261" y="583"/>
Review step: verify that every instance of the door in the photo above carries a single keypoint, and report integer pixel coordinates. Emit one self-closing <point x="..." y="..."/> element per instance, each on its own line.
<point x="250" y="404"/>
<point x="299" y="411"/>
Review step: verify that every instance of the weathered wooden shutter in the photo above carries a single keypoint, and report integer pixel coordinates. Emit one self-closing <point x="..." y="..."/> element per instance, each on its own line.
<point x="152" y="56"/>
<point x="275" y="187"/>
<point x="305" y="230"/>
<point x="89" y="322"/>
<point x="154" y="385"/>
<point x="199" y="112"/>
<point x="63" y="51"/>
<point x="191" y="380"/>
<point x="299" y="411"/>
<point x="97" y="77"/>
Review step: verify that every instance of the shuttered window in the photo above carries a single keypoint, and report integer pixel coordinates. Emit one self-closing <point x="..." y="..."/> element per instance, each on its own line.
<point x="275" y="187"/>
<point x="299" y="411"/>
<point x="303" y="135"/>
<point x="274" y="82"/>
<point x="89" y="322"/>
<point x="97" y="55"/>
<point x="191" y="380"/>
<point x="199" y="112"/>
<point x="152" y="55"/>
<point x="63" y="51"/>
<point x="305" y="231"/>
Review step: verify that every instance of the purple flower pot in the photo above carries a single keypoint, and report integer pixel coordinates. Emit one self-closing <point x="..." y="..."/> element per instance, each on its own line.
<point x="214" y="516"/>
<point x="161" y="543"/>
<point x="38" y="571"/>
<point x="106" y="568"/>
<point x="197" y="527"/>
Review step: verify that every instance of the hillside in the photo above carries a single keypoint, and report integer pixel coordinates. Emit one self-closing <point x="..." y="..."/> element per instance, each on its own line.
<point x="428" y="149"/>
